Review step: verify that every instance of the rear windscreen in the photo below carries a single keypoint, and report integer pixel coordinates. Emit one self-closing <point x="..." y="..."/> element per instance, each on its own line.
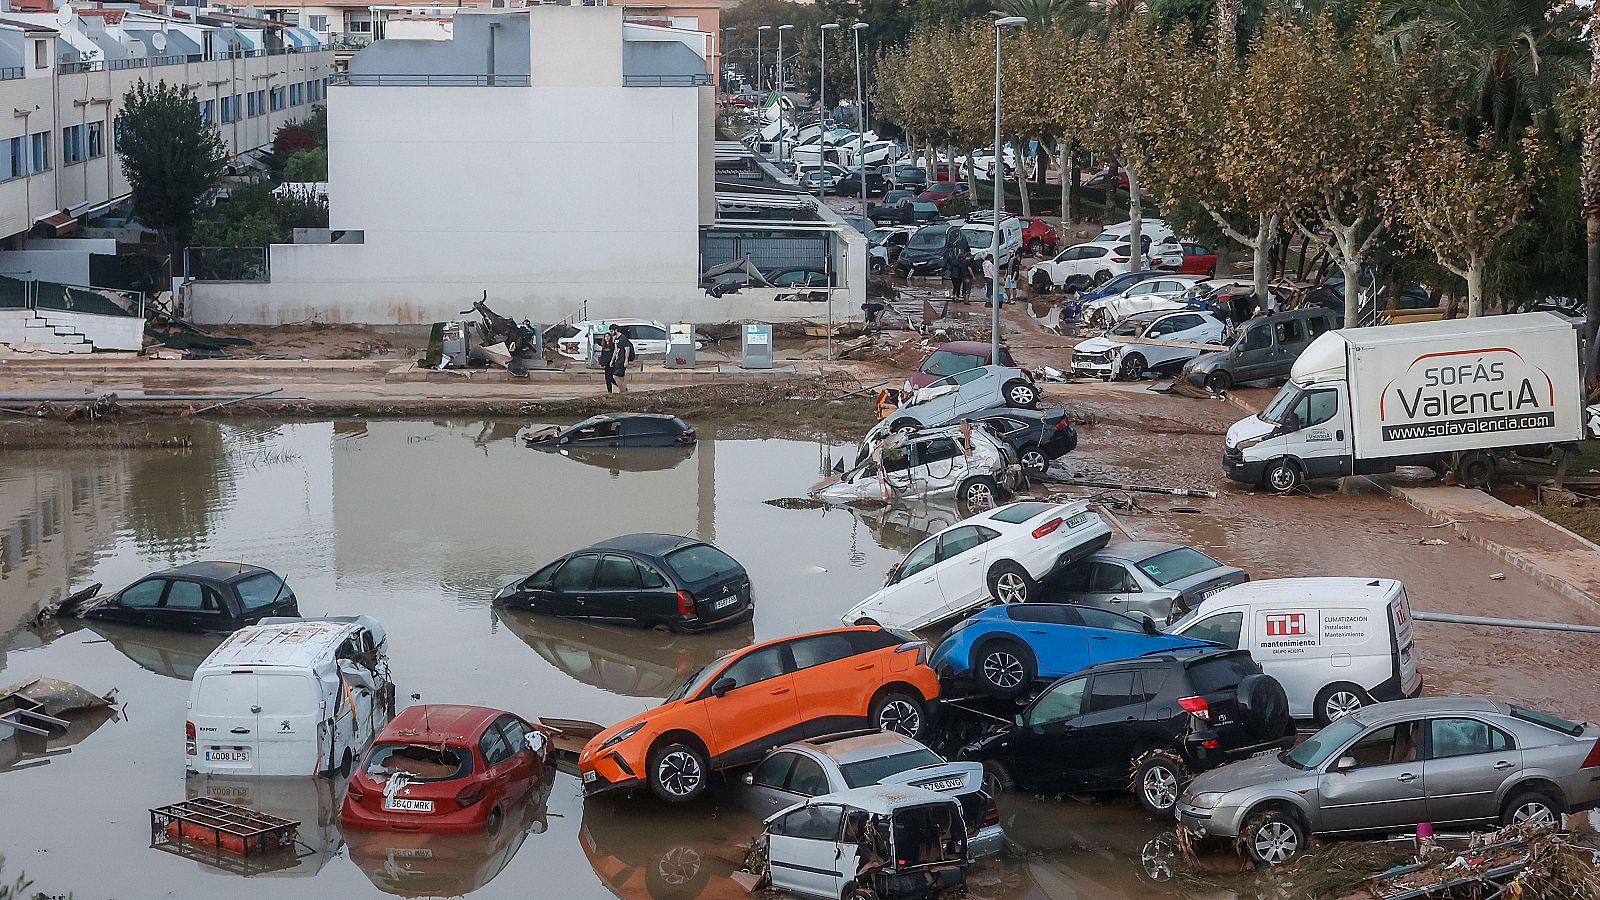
<point x="872" y="771"/>
<point x="1017" y="513"/>
<point x="925" y="835"/>
<point x="420" y="763"/>
<point x="1221" y="673"/>
<point x="700" y="562"/>
<point x="948" y="362"/>
<point x="261" y="590"/>
<point x="1176" y="565"/>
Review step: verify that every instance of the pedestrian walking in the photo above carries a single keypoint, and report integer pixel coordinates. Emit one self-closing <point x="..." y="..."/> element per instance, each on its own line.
<point x="988" y="277"/>
<point x="956" y="251"/>
<point x="608" y="349"/>
<point x="622" y="353"/>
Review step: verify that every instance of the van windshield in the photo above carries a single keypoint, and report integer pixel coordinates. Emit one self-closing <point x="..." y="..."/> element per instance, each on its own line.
<point x="1280" y="406"/>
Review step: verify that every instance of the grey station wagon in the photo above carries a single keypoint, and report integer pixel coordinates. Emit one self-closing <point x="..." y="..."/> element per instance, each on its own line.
<point x="1261" y="349"/>
<point x="1446" y="760"/>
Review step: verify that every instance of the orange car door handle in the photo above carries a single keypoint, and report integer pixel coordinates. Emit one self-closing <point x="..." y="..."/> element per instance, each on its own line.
<point x="865" y="667"/>
<point x="779" y="691"/>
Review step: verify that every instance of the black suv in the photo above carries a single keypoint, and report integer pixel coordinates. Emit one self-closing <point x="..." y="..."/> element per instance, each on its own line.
<point x="1037" y="436"/>
<point x="1144" y="725"/>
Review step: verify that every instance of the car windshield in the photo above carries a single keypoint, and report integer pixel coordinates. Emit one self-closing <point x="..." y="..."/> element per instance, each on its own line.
<point x="1317" y="748"/>
<point x="872" y="771"/>
<point x="699" y="562"/>
<point x="1176" y="565"/>
<point x="1131" y="327"/>
<point x="261" y="590"/>
<point x="695" y="682"/>
<point x="927" y="239"/>
<point x="1282" y="404"/>
<point x="949" y="362"/>
<point x="421" y="763"/>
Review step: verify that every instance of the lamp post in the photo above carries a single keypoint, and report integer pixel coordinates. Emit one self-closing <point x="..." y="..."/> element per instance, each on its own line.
<point x="761" y="75"/>
<point x="782" y="127"/>
<point x="861" y="118"/>
<point x="822" y="112"/>
<point x="995" y="295"/>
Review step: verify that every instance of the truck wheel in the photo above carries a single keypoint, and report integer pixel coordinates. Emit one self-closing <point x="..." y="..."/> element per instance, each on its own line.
<point x="1475" y="469"/>
<point x="1283" y="476"/>
<point x="1219" y="382"/>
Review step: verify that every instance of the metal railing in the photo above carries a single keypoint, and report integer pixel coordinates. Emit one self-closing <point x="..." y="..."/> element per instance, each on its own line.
<point x="141" y="62"/>
<point x="771" y="251"/>
<point x="433" y="80"/>
<point x="11" y="73"/>
<point x="227" y="263"/>
<point x="50" y="296"/>
<point x="348" y="40"/>
<point x="666" y="80"/>
<point x="73" y="68"/>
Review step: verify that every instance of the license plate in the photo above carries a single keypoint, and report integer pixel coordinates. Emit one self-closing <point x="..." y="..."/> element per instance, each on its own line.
<point x="1215" y="590"/>
<point x="233" y="756"/>
<point x="407" y="804"/>
<point x="410" y="853"/>
<point x="725" y="602"/>
<point x="943" y="784"/>
<point x="589" y="777"/>
<point x="1077" y="520"/>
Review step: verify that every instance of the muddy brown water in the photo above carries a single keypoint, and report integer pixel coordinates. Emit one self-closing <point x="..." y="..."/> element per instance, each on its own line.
<point x="417" y="524"/>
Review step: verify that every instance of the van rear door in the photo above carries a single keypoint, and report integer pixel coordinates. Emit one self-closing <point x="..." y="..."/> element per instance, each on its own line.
<point x="291" y="709"/>
<point x="1400" y="628"/>
<point x="226" y="723"/>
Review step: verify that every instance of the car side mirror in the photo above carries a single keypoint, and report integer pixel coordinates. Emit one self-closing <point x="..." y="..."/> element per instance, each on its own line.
<point x="888" y="577"/>
<point x="722" y="686"/>
<point x="1290" y="424"/>
<point x="1149" y="626"/>
<point x="1345" y="764"/>
<point x="1017" y="720"/>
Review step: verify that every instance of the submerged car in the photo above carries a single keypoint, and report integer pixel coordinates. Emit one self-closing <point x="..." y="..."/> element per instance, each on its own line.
<point x="958" y="396"/>
<point x="1151" y="578"/>
<point x="879" y="842"/>
<point x="447" y="768"/>
<point x="650" y="580"/>
<point x="200" y="596"/>
<point x="975" y="467"/>
<point x="799" y="771"/>
<point x="1001" y="554"/>
<point x="612" y="430"/>
<point x="1444" y="760"/>
<point x="1145" y="342"/>
<point x="1004" y="649"/>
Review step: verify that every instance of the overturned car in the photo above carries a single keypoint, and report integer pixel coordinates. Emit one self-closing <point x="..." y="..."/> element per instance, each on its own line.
<point x="967" y="461"/>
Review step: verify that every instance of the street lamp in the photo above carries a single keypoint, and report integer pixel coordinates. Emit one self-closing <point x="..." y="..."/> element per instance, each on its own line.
<point x="995" y="295"/>
<point x="822" y="112"/>
<point x="782" y="126"/>
<point x="861" y="119"/>
<point x="761" y="75"/>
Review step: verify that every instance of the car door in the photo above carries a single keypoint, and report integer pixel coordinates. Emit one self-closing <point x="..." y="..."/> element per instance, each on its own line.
<point x="1467" y="762"/>
<point x="136" y="604"/>
<point x="804" y="853"/>
<point x="190" y="606"/>
<point x="1090" y="259"/>
<point x="768" y="788"/>
<point x="979" y="390"/>
<point x="526" y="766"/>
<point x="1323" y="423"/>
<point x="1256" y="357"/>
<point x="961" y="569"/>
<point x="1054" y="634"/>
<point x="500" y="762"/>
<point x="1102" y="738"/>
<point x="757" y="709"/>
<point x="568" y="594"/>
<point x="615" y="591"/>
<point x="1384" y="789"/>
<point x="1111" y="636"/>
<point x="605" y="433"/>
<point x="937" y="464"/>
<point x="914" y="594"/>
<point x="1289" y="338"/>
<point x="828" y="675"/>
<point x="1105" y="583"/>
<point x="1190" y="328"/>
<point x="1037" y="753"/>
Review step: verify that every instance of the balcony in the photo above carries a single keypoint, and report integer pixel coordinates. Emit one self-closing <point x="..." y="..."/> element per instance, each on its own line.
<point x="666" y="80"/>
<point x="376" y="80"/>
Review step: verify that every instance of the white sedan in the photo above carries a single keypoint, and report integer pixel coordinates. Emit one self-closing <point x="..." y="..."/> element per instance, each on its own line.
<point x="1002" y="554"/>
<point x="1127" y="351"/>
<point x="1092" y="263"/>
<point x="1152" y="293"/>
<point x="649" y="338"/>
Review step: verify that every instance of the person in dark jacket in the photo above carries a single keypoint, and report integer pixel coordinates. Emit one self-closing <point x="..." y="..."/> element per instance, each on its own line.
<point x="956" y="265"/>
<point x="622" y="353"/>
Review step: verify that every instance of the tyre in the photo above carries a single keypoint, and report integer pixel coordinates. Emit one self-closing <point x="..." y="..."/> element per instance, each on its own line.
<point x="1035" y="247"/>
<point x="1101" y="277"/>
<point x="1003" y="668"/>
<point x="980" y="492"/>
<point x="1040" y="282"/>
<point x="1011" y="583"/>
<point x="997" y="778"/>
<point x="1273" y="837"/>
<point x="874" y="265"/>
<point x="900" y="712"/>
<point x="678" y="772"/>
<point x="904" y="424"/>
<point x="1336" y="700"/>
<point x="1158" y="778"/>
<point x="344" y="765"/>
<point x="679" y="872"/>
<point x="1263" y="706"/>
<point x="1020" y="394"/>
<point x="1219" y="382"/>
<point x="1132" y="366"/>
<point x="1033" y="460"/>
<point x="1475" y="469"/>
<point x="1283" y="476"/>
<point x="859" y="892"/>
<point x="495" y="820"/>
<point x="1531" y="808"/>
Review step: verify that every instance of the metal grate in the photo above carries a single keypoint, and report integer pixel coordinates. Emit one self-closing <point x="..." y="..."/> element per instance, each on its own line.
<point x="771" y="252"/>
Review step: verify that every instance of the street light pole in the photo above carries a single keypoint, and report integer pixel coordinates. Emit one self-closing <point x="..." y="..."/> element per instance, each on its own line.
<point x="861" y="118"/>
<point x="782" y="126"/>
<point x="822" y="112"/>
<point x="761" y="74"/>
<point x="996" y="291"/>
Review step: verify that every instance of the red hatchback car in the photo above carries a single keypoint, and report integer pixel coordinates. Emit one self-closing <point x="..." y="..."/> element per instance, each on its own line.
<point x="445" y="768"/>
<point x="954" y="357"/>
<point x="1038" y="237"/>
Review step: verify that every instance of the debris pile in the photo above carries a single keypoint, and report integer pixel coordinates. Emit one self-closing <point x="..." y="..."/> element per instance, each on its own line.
<point x="1516" y="861"/>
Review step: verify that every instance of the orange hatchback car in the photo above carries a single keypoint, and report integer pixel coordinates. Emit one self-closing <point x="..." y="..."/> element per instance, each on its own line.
<point x="734" y="710"/>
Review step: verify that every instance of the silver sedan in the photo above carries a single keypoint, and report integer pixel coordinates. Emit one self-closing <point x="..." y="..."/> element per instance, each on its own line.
<point x="1152" y="578"/>
<point x="1445" y="760"/>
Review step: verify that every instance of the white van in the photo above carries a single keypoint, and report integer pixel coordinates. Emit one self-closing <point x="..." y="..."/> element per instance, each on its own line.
<point x="1335" y="644"/>
<point x="289" y="697"/>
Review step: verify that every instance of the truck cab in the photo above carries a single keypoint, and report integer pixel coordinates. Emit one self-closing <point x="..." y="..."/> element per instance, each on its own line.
<point x="1303" y="433"/>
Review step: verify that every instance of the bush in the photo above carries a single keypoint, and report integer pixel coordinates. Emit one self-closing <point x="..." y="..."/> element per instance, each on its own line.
<point x="306" y="165"/>
<point x="253" y="216"/>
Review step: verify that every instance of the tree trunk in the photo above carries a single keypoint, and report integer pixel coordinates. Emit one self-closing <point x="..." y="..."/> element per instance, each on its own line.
<point x="1066" y="188"/>
<point x="1591" y="210"/>
<point x="1227" y="32"/>
<point x="1261" y="266"/>
<point x="1352" y="289"/>
<point x="1475" y="286"/>
<point x="972" y="179"/>
<point x="1072" y="183"/>
<point x="1109" y="210"/>
<point x="1022" y="177"/>
<point x="1135" y="220"/>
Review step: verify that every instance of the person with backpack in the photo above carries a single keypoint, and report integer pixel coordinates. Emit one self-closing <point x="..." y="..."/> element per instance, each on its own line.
<point x="622" y="353"/>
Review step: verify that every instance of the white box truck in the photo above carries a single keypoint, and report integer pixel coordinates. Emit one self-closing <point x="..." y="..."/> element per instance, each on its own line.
<point x="1447" y="395"/>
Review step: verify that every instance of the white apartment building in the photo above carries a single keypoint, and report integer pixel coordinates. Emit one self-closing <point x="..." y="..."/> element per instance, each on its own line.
<point x="557" y="157"/>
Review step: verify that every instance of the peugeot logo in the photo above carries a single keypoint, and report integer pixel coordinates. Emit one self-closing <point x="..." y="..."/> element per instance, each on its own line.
<point x="284" y="726"/>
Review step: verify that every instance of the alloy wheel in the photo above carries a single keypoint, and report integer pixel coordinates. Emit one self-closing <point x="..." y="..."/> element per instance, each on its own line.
<point x="1002" y="669"/>
<point x="898" y="715"/>
<point x="1034" y="461"/>
<point x="1533" y="813"/>
<point x="1022" y="395"/>
<point x="1341" y="703"/>
<point x="1010" y="588"/>
<point x="679" y="866"/>
<point x="1275" y="842"/>
<point x="679" y="773"/>
<point x="980" y="495"/>
<point x="1160" y="787"/>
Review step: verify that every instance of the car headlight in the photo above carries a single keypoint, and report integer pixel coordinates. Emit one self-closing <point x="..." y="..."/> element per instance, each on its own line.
<point x="621" y="736"/>
<point x="1208" y="800"/>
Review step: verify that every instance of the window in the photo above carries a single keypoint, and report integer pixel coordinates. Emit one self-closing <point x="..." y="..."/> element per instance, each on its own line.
<point x="1114" y="690"/>
<point x="577" y="574"/>
<point x="1463" y="737"/>
<point x="1385" y="746"/>
<point x="617" y="573"/>
<point x="774" y="771"/>
<point x="541" y="578"/>
<point x="1257" y="338"/>
<point x="297" y="93"/>
<point x="318" y="23"/>
<point x="144" y="595"/>
<point x="948" y="362"/>
<point x="650" y="578"/>
<point x="1104" y="618"/>
<point x="697" y="562"/>
<point x="96" y="134"/>
<point x="1092" y="252"/>
<point x="515" y="730"/>
<point x="226" y="111"/>
<point x="1315" y="750"/>
<point x="71" y="145"/>
<point x="960" y="540"/>
<point x="1175" y="565"/>
<point x="493" y="746"/>
<point x="1317" y="407"/>
<point x="938" y="450"/>
<point x="807" y="778"/>
<point x="1222" y="628"/>
<point x="190" y="597"/>
<point x="361" y="25"/>
<point x="1110" y="578"/>
<point x="250" y="107"/>
<point x="1062" y="702"/>
<point x="1290" y="332"/>
<point x="261" y="590"/>
<point x="1221" y="673"/>
<point x="755" y="666"/>
<point x="313" y="93"/>
<point x="422" y="763"/>
<point x="39" y="152"/>
<point x="279" y="97"/>
<point x="817" y="823"/>
<point x="41" y="55"/>
<point x="207" y="111"/>
<point x="13" y="159"/>
<point x="1048" y="613"/>
<point x="820" y="649"/>
<point x="872" y="771"/>
<point x="1318" y="325"/>
<point x="922" y="556"/>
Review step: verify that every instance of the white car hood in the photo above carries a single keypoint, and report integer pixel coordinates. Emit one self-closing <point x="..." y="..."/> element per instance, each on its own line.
<point x="1097" y="345"/>
<point x="1252" y="428"/>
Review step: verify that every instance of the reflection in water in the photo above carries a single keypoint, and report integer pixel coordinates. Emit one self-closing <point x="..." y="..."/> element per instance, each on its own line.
<point x="414" y="864"/>
<point x="313" y="802"/>
<point x="174" y="654"/>
<point x="26" y="751"/>
<point x="636" y="459"/>
<point x="173" y="497"/>
<point x="901" y="526"/>
<point x="648" y="850"/>
<point x="634" y="662"/>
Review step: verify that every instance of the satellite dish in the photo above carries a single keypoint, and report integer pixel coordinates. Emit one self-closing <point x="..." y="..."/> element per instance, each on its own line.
<point x="64" y="15"/>
<point x="159" y="41"/>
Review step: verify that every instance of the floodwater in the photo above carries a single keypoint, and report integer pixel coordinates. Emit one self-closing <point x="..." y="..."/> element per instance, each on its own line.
<point x="417" y="524"/>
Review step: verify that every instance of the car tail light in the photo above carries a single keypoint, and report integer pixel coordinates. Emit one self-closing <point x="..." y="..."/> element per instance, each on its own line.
<point x="1048" y="527"/>
<point x="355" y="791"/>
<point x="1196" y="706"/>
<point x="1119" y="259"/>
<point x="920" y="646"/>
<point x="1209" y="745"/>
<point x="188" y="730"/>
<point x="189" y="748"/>
<point x="991" y="814"/>
<point x="1593" y="759"/>
<point x="685" y="603"/>
<point x="469" y="795"/>
<point x="1061" y="424"/>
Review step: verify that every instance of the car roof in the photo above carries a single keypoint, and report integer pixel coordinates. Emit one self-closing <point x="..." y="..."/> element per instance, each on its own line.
<point x="655" y="544"/>
<point x="216" y="571"/>
<point x="1175" y="654"/>
<point x="439" y="723"/>
<point x="1135" y="551"/>
<point x="294" y="643"/>
<point x="1316" y="590"/>
<point x="1426" y="706"/>
<point x="976" y="348"/>
<point x="853" y="747"/>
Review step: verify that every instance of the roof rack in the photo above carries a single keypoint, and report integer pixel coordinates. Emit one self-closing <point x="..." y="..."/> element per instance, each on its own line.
<point x="987" y="216"/>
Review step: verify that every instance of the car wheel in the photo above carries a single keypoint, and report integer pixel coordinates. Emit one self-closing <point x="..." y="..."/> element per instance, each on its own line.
<point x="901" y="713"/>
<point x="678" y="773"/>
<point x="1035" y="247"/>
<point x="1033" y="460"/>
<point x="1283" y="476"/>
<point x="997" y="778"/>
<point x="1101" y="277"/>
<point x="1274" y="837"/>
<point x="979" y="492"/>
<point x="1475" y="469"/>
<point x="874" y="265"/>
<point x="1157" y="780"/>
<point x="1219" y="382"/>
<point x="1021" y="394"/>
<point x="495" y="820"/>
<point x="1531" y="808"/>
<point x="1263" y="706"/>
<point x="1338" y="700"/>
<point x="1003" y="668"/>
<point x="679" y="872"/>
<point x="1011" y="583"/>
<point x="859" y="892"/>
<point x="1132" y="366"/>
<point x="1040" y="282"/>
<point x="905" y="424"/>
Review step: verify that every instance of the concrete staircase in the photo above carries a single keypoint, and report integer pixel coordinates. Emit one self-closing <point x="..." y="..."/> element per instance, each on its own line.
<point x="27" y="331"/>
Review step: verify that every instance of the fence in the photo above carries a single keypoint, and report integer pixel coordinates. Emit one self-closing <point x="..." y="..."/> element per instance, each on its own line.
<point x="142" y="62"/>
<point x="666" y="80"/>
<point x="771" y="251"/>
<point x="50" y="296"/>
<point x="433" y="80"/>
<point x="227" y="264"/>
